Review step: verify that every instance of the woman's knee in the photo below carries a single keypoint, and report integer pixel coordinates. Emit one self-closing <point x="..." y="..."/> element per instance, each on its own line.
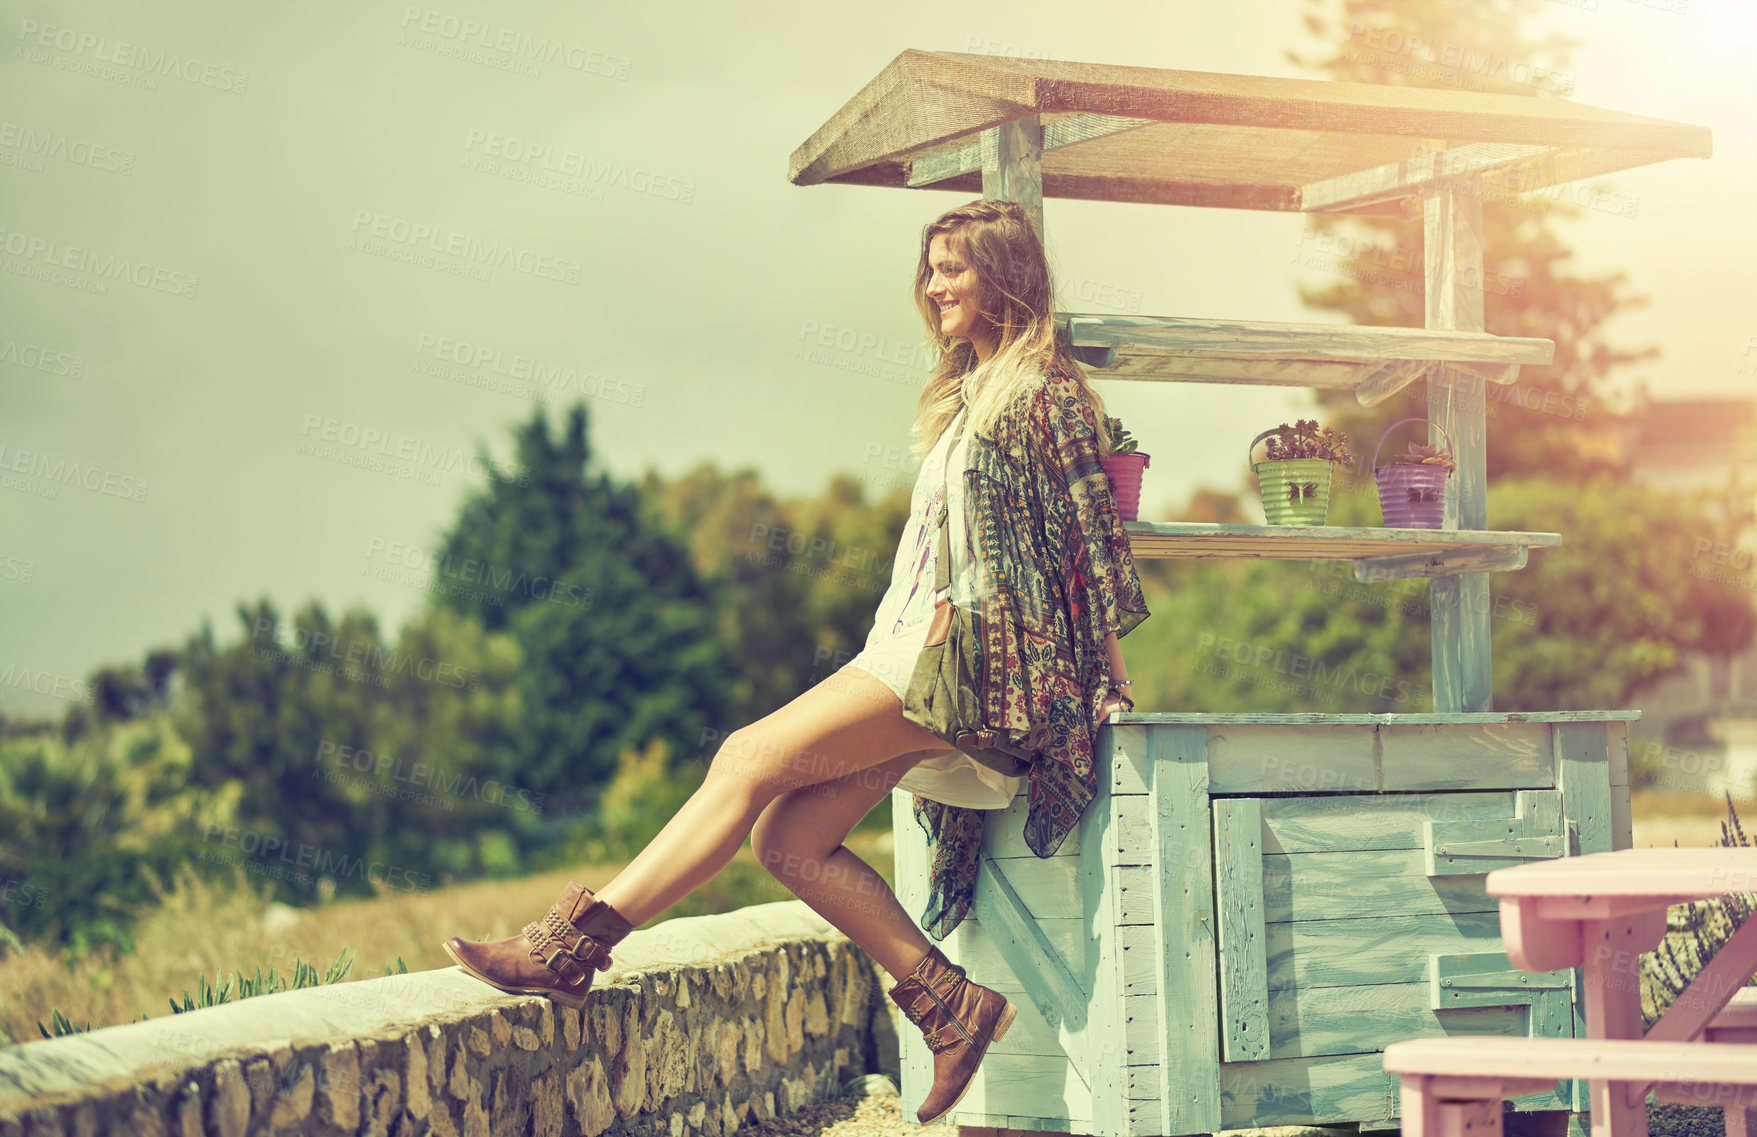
<point x="756" y="765"/>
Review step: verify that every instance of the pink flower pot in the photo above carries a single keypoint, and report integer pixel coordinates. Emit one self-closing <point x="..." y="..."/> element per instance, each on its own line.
<point x="1124" y="472"/>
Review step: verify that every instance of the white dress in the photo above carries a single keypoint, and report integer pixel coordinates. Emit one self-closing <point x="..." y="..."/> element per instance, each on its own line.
<point x="900" y="625"/>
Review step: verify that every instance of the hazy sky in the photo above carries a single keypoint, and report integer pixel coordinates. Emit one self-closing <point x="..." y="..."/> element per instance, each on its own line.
<point x="217" y="402"/>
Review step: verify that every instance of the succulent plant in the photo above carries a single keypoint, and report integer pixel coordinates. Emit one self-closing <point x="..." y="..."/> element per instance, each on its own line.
<point x="1304" y="440"/>
<point x="1121" y="442"/>
<point x="1421" y="454"/>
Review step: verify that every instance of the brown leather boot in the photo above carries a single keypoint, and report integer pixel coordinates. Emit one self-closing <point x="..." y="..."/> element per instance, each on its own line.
<point x="555" y="956"/>
<point x="958" y="1018"/>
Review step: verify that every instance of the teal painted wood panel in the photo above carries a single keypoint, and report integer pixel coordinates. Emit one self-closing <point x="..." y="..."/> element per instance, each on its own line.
<point x="1238" y="884"/>
<point x="1511" y="755"/>
<point x="1375" y="949"/>
<point x="1048" y="886"/>
<point x="1254" y="759"/>
<point x="1583" y="774"/>
<point x="1383" y="821"/>
<point x="1138" y="946"/>
<point x="1048" y="978"/>
<point x="909" y="853"/>
<point x="1003" y="833"/>
<point x="1467" y="848"/>
<point x="1067" y="935"/>
<point x="1027" y="1085"/>
<point x="1316" y="886"/>
<point x="1138" y="890"/>
<point x="1313" y="1021"/>
<point x="1334" y="1089"/>
<point x="1187" y="1053"/>
<point x="1102" y="854"/>
<point x="1131" y="764"/>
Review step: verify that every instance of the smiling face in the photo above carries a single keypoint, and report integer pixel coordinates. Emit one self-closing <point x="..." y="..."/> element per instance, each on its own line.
<point x="954" y="289"/>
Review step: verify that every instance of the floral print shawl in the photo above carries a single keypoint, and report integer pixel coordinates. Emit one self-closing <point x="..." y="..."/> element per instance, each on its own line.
<point x="1053" y="576"/>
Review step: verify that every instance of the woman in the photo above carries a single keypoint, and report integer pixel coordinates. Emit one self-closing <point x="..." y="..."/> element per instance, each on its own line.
<point x="1039" y="556"/>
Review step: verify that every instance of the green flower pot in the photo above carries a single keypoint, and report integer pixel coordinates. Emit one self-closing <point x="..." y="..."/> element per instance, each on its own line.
<point x="1295" y="491"/>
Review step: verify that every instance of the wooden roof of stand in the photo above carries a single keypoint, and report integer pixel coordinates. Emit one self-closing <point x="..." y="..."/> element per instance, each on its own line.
<point x="1148" y="134"/>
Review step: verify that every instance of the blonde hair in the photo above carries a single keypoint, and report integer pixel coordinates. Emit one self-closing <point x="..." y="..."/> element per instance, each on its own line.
<point x="1016" y="297"/>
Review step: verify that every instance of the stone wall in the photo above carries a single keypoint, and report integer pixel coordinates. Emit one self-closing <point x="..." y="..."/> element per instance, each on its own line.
<point x="704" y="1024"/>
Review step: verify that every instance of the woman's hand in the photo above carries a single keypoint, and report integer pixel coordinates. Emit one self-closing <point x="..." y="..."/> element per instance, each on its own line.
<point x="1113" y="703"/>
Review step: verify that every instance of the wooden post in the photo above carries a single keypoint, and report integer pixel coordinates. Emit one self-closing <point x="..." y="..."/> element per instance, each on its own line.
<point x="1012" y="166"/>
<point x="1452" y="252"/>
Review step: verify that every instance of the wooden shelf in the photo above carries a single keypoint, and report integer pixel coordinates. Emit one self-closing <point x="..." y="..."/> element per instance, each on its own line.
<point x="1374" y="362"/>
<point x="1378" y="553"/>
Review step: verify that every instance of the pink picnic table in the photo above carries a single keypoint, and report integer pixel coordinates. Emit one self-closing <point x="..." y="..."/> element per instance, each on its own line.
<point x="1599" y="912"/>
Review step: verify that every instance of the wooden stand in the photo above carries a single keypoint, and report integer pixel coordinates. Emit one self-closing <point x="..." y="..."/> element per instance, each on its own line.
<point x="1254" y="906"/>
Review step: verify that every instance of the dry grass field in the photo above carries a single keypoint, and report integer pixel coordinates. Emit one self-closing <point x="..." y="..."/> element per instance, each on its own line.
<point x="201" y="930"/>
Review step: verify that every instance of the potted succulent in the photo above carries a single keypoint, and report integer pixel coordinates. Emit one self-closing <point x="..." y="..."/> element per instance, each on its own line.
<point x="1412" y="486"/>
<point x="1123" y="466"/>
<point x="1294" y="480"/>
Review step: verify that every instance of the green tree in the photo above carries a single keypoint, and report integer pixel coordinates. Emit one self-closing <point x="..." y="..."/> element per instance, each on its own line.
<point x="1528" y="288"/>
<point x="616" y="628"/>
<point x="796" y="582"/>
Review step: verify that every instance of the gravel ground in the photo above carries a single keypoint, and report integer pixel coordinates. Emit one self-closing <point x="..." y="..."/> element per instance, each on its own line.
<point x="871" y="1107"/>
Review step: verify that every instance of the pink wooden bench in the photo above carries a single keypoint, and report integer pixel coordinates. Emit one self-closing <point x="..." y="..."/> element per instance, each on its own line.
<point x="1599" y="912"/>
<point x="1452" y="1087"/>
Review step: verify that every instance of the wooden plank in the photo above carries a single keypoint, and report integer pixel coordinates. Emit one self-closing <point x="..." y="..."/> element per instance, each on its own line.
<point x="1048" y="886"/>
<point x="1131" y="769"/>
<point x="1458" y="980"/>
<point x="909" y="866"/>
<point x="1328" y="822"/>
<point x="1099" y="1043"/>
<point x="1187" y="1049"/>
<point x="1045" y="975"/>
<point x="1434" y="756"/>
<point x="1066" y="936"/>
<point x="1356" y="1020"/>
<point x="1311" y="759"/>
<point x="1583" y="770"/>
<point x="1452" y="243"/>
<point x="1583" y="774"/>
<point x="1206" y="367"/>
<point x="1238" y="883"/>
<point x="1138" y="946"/>
<point x="1411" y="175"/>
<point x="1349" y="343"/>
<point x="1390" y="377"/>
<point x="1003" y="833"/>
<point x="1315" y="886"/>
<point x="1466" y="848"/>
<point x="1376" y="949"/>
<point x="1129" y="839"/>
<point x="1012" y="166"/>
<point x="1136" y="894"/>
<point x="1448" y="562"/>
<point x="1024" y="1085"/>
<point x="966" y="157"/>
<point x="1310" y="542"/>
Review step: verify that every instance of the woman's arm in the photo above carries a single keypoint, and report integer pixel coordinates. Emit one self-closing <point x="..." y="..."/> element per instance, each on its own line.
<point x="1117" y="671"/>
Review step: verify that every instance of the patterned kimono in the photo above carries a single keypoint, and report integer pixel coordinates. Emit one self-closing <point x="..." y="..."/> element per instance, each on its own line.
<point x="1053" y="575"/>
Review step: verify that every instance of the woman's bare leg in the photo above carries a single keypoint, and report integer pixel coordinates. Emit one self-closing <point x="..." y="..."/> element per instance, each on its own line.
<point x="799" y="839"/>
<point x="848" y="723"/>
